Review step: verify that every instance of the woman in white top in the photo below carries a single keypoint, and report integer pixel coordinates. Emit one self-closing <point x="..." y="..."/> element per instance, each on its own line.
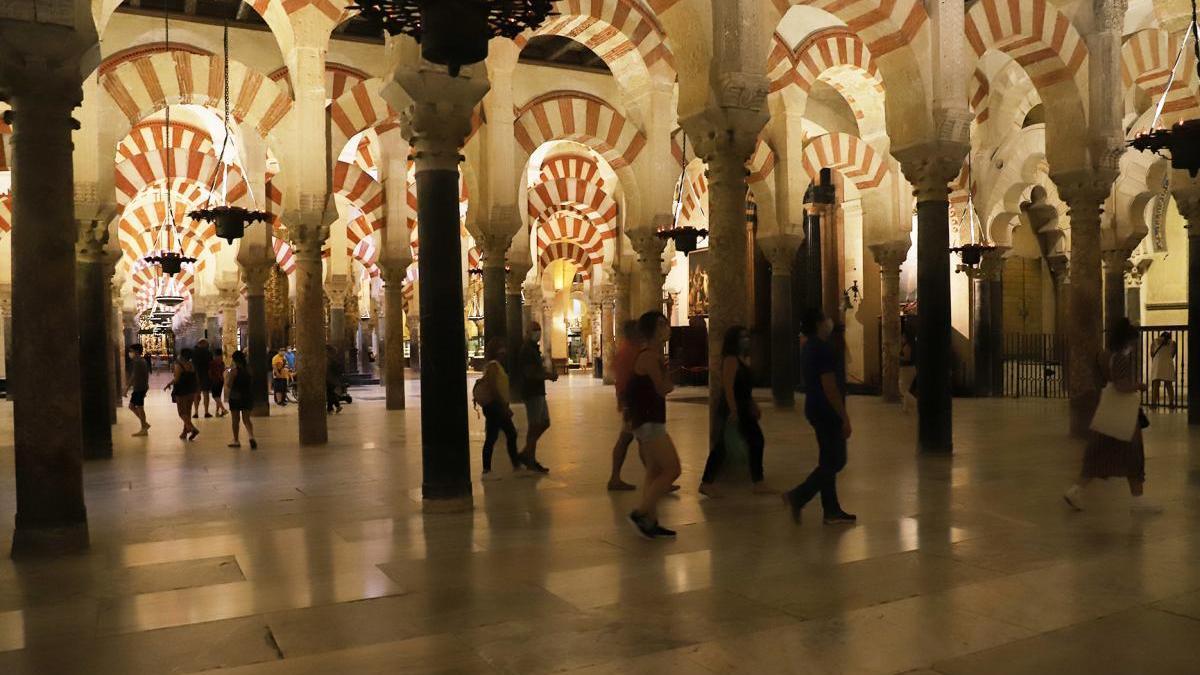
<point x="1162" y="367"/>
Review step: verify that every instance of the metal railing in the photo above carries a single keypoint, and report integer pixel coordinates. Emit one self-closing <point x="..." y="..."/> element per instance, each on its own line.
<point x="1035" y="365"/>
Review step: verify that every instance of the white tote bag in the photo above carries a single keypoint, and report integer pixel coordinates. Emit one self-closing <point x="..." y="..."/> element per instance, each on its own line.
<point x="1117" y="414"/>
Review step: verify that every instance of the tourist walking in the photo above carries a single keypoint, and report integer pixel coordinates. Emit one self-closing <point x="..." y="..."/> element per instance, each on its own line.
<point x="1162" y="368"/>
<point x="280" y="375"/>
<point x="216" y="381"/>
<point x="908" y="370"/>
<point x="137" y="386"/>
<point x="333" y="380"/>
<point x="491" y="393"/>
<point x="239" y="392"/>
<point x="646" y="398"/>
<point x="738" y="412"/>
<point x="825" y="409"/>
<point x="184" y="387"/>
<point x="534" y="374"/>
<point x="622" y="369"/>
<point x="1107" y="456"/>
<point x="201" y="360"/>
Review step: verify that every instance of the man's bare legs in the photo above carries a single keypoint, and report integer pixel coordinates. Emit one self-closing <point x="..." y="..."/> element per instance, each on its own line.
<point x="620" y="451"/>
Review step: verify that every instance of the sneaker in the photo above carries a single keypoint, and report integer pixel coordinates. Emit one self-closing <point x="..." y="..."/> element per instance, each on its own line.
<point x="620" y="486"/>
<point x="192" y="436"/>
<point x="141" y="432"/>
<point x="533" y="465"/>
<point x="645" y="529"/>
<point x="1146" y="506"/>
<point x="206" y="416"/>
<point x="709" y="490"/>
<point x="841" y="518"/>
<point x="793" y="504"/>
<point x="253" y="444"/>
<point x="1074" y="497"/>
<point x="660" y="531"/>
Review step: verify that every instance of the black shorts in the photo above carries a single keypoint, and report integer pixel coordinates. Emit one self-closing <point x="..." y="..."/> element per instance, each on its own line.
<point x="137" y="398"/>
<point x="279" y="385"/>
<point x="215" y="390"/>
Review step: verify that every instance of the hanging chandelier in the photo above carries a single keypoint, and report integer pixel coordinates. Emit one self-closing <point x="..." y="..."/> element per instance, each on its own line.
<point x="1182" y="140"/>
<point x="971" y="252"/>
<point x="686" y="237"/>
<point x="230" y="221"/>
<point x="455" y="33"/>
<point x="169" y="262"/>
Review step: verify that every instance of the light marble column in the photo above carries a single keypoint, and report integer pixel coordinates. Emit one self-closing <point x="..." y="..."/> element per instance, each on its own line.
<point x="608" y="330"/>
<point x="1084" y="193"/>
<point x="890" y="257"/>
<point x="41" y="80"/>
<point x="780" y="250"/>
<point x="621" y="303"/>
<point x="649" y="247"/>
<point x="930" y="168"/>
<point x="493" y="246"/>
<point x="440" y="116"/>
<point x="308" y="230"/>
<point x="393" y="270"/>
<point x="229" y="325"/>
<point x="336" y="289"/>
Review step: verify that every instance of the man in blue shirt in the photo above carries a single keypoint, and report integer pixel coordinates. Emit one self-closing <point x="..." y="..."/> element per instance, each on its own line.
<point x="825" y="409"/>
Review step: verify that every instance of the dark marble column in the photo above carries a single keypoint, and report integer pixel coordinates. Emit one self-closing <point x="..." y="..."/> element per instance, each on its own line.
<point x="308" y="236"/>
<point x="257" y="350"/>
<point x="1186" y="192"/>
<point x="780" y="251"/>
<point x="94" y="300"/>
<point x="987" y="331"/>
<point x="890" y="257"/>
<point x="493" y="248"/>
<point x="47" y="434"/>
<point x="514" y="279"/>
<point x="393" y="315"/>
<point x="1116" y="265"/>
<point x="440" y="116"/>
<point x="930" y="169"/>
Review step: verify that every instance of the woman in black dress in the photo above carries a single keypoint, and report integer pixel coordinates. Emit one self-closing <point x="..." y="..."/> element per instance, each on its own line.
<point x="184" y="387"/>
<point x="738" y="409"/>
<point x="240" y="395"/>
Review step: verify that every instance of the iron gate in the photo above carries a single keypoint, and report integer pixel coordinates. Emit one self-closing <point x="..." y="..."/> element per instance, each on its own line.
<point x="1035" y="365"/>
<point x="1158" y="395"/>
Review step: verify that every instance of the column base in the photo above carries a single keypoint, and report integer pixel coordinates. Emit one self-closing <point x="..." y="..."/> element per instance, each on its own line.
<point x="433" y="504"/>
<point x="49" y="542"/>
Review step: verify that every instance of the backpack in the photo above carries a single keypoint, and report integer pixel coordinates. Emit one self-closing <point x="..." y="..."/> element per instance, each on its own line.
<point x="484" y="392"/>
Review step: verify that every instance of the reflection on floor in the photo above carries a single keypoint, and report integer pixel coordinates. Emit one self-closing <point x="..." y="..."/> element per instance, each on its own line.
<point x="320" y="561"/>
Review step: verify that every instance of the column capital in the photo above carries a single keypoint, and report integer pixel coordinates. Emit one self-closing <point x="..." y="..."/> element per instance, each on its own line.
<point x="1116" y="259"/>
<point x="493" y="247"/>
<point x="91" y="242"/>
<point x="255" y="275"/>
<point x="1060" y="267"/>
<point x="438" y="113"/>
<point x="1084" y="191"/>
<point x="890" y="255"/>
<point x="515" y="276"/>
<point x="307" y="235"/>
<point x="647" y="243"/>
<point x="1136" y="272"/>
<point x="1109" y="15"/>
<point x="1186" y="192"/>
<point x="780" y="250"/>
<point x="929" y="168"/>
<point x="337" y="287"/>
<point x="228" y="298"/>
<point x="991" y="264"/>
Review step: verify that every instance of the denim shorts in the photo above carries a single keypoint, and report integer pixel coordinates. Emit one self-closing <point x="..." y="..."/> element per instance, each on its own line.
<point x="649" y="431"/>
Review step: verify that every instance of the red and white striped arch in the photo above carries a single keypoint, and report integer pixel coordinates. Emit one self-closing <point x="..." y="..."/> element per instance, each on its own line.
<point x="849" y="155"/>
<point x="1035" y="34"/>
<point x="824" y="55"/>
<point x="761" y="164"/>
<point x="576" y="227"/>
<point x="1146" y="61"/>
<point x="150" y="136"/>
<point x="885" y="25"/>
<point x="572" y="165"/>
<point x="142" y="85"/>
<point x="359" y="108"/>
<point x="571" y="252"/>
<point x="339" y="78"/>
<point x="363" y="191"/>
<point x="694" y="209"/>
<point x="6" y="212"/>
<point x="148" y="169"/>
<point x="139" y="230"/>
<point x="576" y="116"/>
<point x="549" y="196"/>
<point x="623" y="33"/>
<point x="978" y="91"/>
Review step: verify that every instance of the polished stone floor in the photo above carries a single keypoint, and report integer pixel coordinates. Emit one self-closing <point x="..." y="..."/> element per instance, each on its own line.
<point x="292" y="560"/>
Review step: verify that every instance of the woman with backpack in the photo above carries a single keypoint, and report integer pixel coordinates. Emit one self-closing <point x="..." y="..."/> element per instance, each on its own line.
<point x="240" y="393"/>
<point x="491" y="393"/>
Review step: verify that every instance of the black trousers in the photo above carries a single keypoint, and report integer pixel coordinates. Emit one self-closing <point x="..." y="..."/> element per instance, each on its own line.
<point x="755" y="443"/>
<point x="497" y="419"/>
<point x="831" y="459"/>
<point x="332" y="400"/>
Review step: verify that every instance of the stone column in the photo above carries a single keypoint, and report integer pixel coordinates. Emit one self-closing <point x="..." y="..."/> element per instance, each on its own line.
<point x="1116" y="266"/>
<point x="366" y="334"/>
<point x="493" y="248"/>
<point x="780" y="250"/>
<point x="725" y="138"/>
<point x="308" y="233"/>
<point x="649" y="247"/>
<point x="1084" y="193"/>
<point x="258" y="355"/>
<point x="440" y="115"/>
<point x="6" y="324"/>
<point x="890" y="257"/>
<point x="621" y="303"/>
<point x="608" y="330"/>
<point x="41" y="82"/>
<point x="229" y="306"/>
<point x="515" y="324"/>
<point x="1059" y="266"/>
<point x="336" y="289"/>
<point x="1133" y="289"/>
<point x="1187" y="198"/>
<point x="987" y="327"/>
<point x="93" y="296"/>
<point x="930" y="168"/>
<point x="118" y="346"/>
<point x="412" y="320"/>
<point x="393" y="270"/>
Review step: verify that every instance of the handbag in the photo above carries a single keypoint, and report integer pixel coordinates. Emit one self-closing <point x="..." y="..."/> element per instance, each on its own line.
<point x="1117" y="414"/>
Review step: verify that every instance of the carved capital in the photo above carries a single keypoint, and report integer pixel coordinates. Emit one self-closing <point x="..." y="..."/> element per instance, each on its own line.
<point x="725" y="139"/>
<point x="1116" y="260"/>
<point x="890" y="255"/>
<point x="92" y="241"/>
<point x="1137" y="272"/>
<point x="255" y="276"/>
<point x="780" y="250"/>
<point x="493" y="247"/>
<point x="337" y="286"/>
<point x="438" y="115"/>
<point x="930" y="167"/>
<point x="991" y="265"/>
<point x="307" y="238"/>
<point x="1060" y="267"/>
<point x="1186" y="191"/>
<point x="1109" y="14"/>
<point x="518" y="269"/>
<point x="742" y="91"/>
<point x="648" y="244"/>
<point x="1084" y="193"/>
